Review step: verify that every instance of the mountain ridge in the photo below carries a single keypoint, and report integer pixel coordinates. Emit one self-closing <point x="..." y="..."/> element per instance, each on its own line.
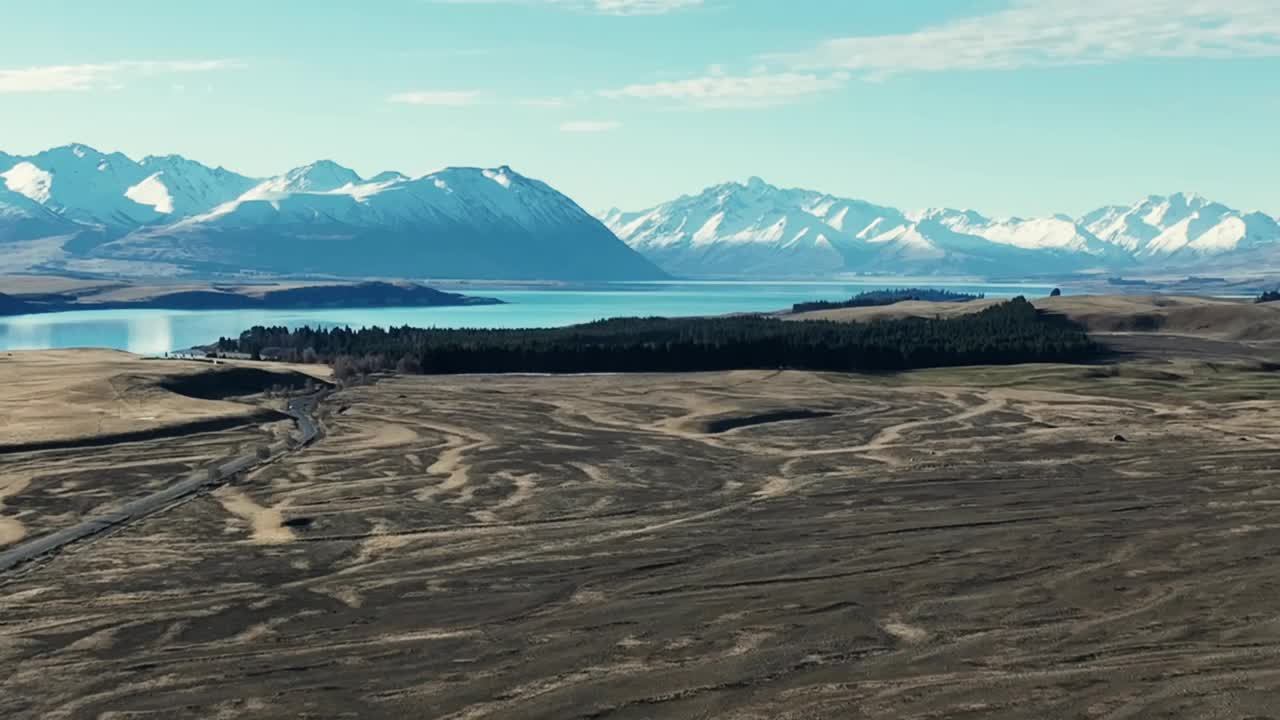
<point x="736" y="228"/>
<point x="168" y="214"/>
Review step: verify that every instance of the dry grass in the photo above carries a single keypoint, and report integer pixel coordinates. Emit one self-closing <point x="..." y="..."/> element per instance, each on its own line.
<point x="69" y="395"/>
<point x="1214" y="318"/>
<point x="951" y="543"/>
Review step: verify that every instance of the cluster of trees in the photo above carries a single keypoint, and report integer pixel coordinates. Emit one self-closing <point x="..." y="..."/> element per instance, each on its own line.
<point x="1269" y="296"/>
<point x="1012" y="332"/>
<point x="875" y="298"/>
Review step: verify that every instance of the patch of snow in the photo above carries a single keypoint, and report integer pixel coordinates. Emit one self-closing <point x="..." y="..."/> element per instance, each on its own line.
<point x="499" y="176"/>
<point x="152" y="192"/>
<point x="29" y="180"/>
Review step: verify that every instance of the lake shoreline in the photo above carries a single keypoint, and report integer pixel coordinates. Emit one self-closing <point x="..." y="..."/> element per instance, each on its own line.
<point x="34" y="299"/>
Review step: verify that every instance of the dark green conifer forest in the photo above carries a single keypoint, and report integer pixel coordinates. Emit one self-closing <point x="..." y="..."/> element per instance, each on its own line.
<point x="1011" y="332"/>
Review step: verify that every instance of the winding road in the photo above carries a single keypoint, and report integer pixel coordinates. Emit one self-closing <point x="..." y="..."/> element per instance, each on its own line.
<point x="300" y="409"/>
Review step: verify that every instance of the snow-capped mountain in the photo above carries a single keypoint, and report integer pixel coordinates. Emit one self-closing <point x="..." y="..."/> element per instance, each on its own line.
<point x="756" y="229"/>
<point x="112" y="191"/>
<point x="747" y="229"/>
<point x="1183" y="229"/>
<point x="322" y="218"/>
<point x="75" y="207"/>
<point x="178" y="187"/>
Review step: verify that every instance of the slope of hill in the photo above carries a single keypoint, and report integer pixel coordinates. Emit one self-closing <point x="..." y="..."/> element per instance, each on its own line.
<point x="24" y="296"/>
<point x="1204" y="317"/>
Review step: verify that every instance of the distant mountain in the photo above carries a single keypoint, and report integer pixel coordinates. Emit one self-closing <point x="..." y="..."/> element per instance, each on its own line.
<point x="756" y="229"/>
<point x="167" y="213"/>
<point x="178" y="187"/>
<point x="1185" y="229"/>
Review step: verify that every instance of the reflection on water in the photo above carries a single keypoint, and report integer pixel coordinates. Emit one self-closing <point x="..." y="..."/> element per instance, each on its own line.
<point x="143" y="332"/>
<point x="26" y="333"/>
<point x="149" y="335"/>
<point x="157" y="331"/>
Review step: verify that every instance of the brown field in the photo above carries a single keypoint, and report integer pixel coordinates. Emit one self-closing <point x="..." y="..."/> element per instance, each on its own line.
<point x="62" y="409"/>
<point x="1203" y="317"/>
<point x="64" y="396"/>
<point x="1019" y="542"/>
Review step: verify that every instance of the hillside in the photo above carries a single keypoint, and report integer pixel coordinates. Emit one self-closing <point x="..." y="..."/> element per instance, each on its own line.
<point x="22" y="295"/>
<point x="1212" y="318"/>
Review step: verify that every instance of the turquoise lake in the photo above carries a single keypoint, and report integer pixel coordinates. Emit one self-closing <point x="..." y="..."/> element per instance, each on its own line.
<point x="157" y="331"/>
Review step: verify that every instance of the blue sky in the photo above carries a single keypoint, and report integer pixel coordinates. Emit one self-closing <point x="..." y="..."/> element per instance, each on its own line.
<point x="1008" y="106"/>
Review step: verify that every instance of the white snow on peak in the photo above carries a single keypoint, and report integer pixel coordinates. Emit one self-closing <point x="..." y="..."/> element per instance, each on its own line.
<point x="500" y="176"/>
<point x="1179" y="226"/>
<point x="735" y="228"/>
<point x="388" y="176"/>
<point x="318" y="177"/>
<point x="153" y="192"/>
<point x="29" y="180"/>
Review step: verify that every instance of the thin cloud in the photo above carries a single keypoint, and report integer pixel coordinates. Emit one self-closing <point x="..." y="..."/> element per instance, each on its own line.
<point x="601" y="7"/>
<point x="718" y="90"/>
<point x="548" y="102"/>
<point x="96" y="76"/>
<point x="590" y="126"/>
<point x="1046" y="33"/>
<point x="446" y="98"/>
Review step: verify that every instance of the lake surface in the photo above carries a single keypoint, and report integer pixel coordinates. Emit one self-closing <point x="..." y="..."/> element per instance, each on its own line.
<point x="157" y="331"/>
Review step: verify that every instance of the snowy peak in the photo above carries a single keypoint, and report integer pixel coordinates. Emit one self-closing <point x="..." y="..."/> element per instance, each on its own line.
<point x="1056" y="234"/>
<point x="320" y="176"/>
<point x="29" y="181"/>
<point x="388" y="176"/>
<point x="458" y="222"/>
<point x="110" y="190"/>
<point x="179" y="187"/>
<point x="754" y="227"/>
<point x="1181" y="227"/>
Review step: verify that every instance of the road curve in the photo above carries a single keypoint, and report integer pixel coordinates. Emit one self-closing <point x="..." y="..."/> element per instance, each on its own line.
<point x="300" y="409"/>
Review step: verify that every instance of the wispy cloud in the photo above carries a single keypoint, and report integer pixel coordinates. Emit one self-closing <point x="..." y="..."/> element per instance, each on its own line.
<point x="1028" y="33"/>
<point x="93" y="76"/>
<point x="590" y="126"/>
<point x="447" y="98"/>
<point x="718" y="90"/>
<point x="1043" y="33"/>
<point x="603" y="7"/>
<point x="544" y="102"/>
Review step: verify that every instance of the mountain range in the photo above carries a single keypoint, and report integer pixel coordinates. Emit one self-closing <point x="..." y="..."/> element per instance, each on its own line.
<point x="757" y="229"/>
<point x="75" y="208"/>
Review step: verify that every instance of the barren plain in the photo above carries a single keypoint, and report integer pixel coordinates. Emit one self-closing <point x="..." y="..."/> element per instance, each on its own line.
<point x="1015" y="542"/>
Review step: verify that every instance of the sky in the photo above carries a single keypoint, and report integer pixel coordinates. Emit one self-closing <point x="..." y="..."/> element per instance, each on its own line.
<point x="1012" y="107"/>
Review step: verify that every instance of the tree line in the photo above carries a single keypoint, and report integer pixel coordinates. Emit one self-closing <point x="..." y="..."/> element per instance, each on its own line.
<point x="1011" y="332"/>
<point x="876" y="298"/>
<point x="1269" y="296"/>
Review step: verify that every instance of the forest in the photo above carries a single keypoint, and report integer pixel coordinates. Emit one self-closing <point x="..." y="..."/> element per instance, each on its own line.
<point x="1269" y="296"/>
<point x="1011" y="332"/>
<point x="876" y="298"/>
